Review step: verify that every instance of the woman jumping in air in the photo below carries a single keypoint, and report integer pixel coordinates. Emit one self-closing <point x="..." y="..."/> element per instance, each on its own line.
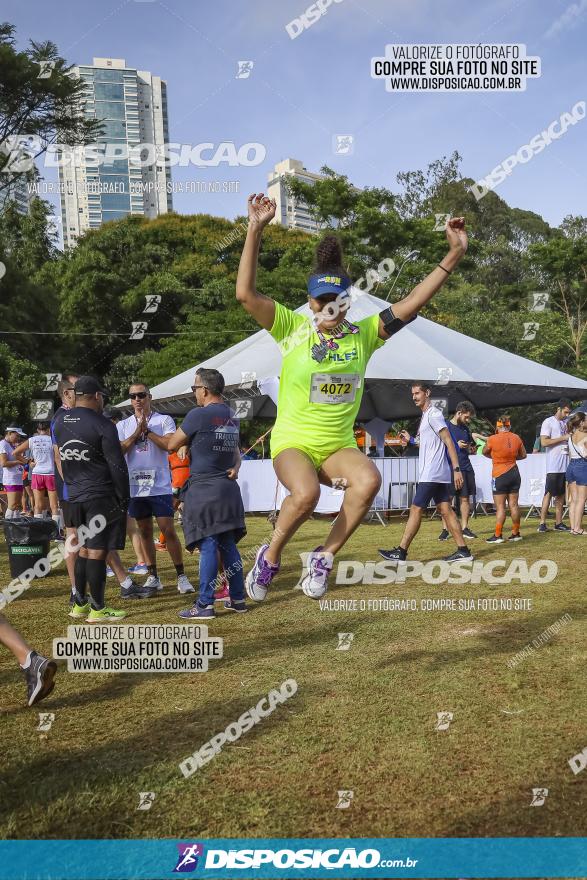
<point x="320" y="390"/>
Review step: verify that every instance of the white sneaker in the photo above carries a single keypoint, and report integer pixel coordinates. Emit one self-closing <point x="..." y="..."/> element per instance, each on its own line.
<point x="259" y="578"/>
<point x="315" y="582"/>
<point x="183" y="584"/>
<point x="152" y="583"/>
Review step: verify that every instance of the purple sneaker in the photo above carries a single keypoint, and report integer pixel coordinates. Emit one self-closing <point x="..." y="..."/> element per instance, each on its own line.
<point x="260" y="576"/>
<point x="315" y="582"/>
<point x="198" y="613"/>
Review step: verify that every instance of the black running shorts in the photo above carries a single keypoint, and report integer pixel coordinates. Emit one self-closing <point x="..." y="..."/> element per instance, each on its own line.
<point x="508" y="483"/>
<point x="113" y="535"/>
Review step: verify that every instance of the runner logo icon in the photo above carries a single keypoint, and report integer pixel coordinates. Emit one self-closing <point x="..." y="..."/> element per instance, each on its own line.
<point x="187" y="861"/>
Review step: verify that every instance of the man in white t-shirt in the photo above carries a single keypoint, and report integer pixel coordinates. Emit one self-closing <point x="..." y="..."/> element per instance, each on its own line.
<point x="554" y="438"/>
<point x="144" y="438"/>
<point x="40" y="446"/>
<point x="12" y="466"/>
<point x="434" y="482"/>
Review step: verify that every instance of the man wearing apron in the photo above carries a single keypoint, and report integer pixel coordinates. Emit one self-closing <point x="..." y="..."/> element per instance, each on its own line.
<point x="213" y="512"/>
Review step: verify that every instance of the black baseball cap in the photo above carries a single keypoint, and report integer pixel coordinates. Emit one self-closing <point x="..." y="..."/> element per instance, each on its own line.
<point x="89" y="385"/>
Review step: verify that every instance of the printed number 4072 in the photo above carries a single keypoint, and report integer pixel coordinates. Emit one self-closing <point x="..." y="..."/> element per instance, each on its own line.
<point x="333" y="388"/>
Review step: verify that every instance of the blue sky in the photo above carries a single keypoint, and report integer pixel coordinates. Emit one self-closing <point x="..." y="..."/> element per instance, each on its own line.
<point x="301" y="92"/>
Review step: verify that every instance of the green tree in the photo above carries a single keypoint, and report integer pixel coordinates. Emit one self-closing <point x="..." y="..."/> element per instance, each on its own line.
<point x="27" y="249"/>
<point x="39" y="103"/>
<point x="20" y="381"/>
<point x="560" y="267"/>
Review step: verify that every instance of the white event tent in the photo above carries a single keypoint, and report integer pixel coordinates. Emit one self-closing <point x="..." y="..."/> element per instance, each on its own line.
<point x="462" y="367"/>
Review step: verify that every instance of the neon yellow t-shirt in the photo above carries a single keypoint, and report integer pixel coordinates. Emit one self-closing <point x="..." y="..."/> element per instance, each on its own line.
<point x="320" y="425"/>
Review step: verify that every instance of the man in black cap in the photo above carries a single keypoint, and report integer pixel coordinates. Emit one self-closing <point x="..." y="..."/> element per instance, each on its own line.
<point x="96" y="475"/>
<point x="65" y="390"/>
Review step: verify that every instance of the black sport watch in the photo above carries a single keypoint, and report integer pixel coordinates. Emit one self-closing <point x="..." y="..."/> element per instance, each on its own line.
<point x="456" y="469"/>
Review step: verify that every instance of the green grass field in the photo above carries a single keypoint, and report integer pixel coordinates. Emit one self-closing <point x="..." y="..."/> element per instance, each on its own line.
<point x="362" y="719"/>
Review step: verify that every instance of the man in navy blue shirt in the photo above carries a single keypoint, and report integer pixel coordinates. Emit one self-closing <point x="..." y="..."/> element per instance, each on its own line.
<point x="213" y="516"/>
<point x="465" y="446"/>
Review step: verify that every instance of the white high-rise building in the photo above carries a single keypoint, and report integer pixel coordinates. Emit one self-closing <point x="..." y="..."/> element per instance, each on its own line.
<point x="133" y="105"/>
<point x="20" y="192"/>
<point x="17" y="188"/>
<point x="291" y="212"/>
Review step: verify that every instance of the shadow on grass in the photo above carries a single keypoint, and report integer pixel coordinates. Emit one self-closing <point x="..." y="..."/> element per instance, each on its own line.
<point x="122" y="760"/>
<point x="507" y="637"/>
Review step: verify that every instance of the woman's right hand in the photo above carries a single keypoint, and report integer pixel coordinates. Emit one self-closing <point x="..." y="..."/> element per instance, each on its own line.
<point x="261" y="210"/>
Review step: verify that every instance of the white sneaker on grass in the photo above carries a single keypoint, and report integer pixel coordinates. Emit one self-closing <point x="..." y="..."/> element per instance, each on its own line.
<point x="315" y="582"/>
<point x="153" y="583"/>
<point x="183" y="584"/>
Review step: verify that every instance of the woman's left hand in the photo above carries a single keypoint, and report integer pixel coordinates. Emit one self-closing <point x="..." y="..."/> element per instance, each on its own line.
<point x="456" y="234"/>
<point x="232" y="473"/>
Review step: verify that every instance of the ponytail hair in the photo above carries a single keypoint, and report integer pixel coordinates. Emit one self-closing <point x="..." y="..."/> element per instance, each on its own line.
<point x="329" y="255"/>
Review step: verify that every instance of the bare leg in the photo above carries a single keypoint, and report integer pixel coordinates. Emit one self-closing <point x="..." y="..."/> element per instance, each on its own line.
<point x="544" y="508"/>
<point x="38" y="506"/>
<point x="514" y="511"/>
<point x="70" y="557"/>
<point x="362" y="480"/>
<point x="580" y="498"/>
<point x="132" y="530"/>
<point x="559" y="506"/>
<point x="465" y="512"/>
<point x="14" y="501"/>
<point x="298" y="474"/>
<point x="412" y="526"/>
<point x="115" y="563"/>
<point x="28" y="501"/>
<point x="12" y="640"/>
<point x="145" y="527"/>
<point x="53" y="502"/>
<point x="577" y="508"/>
<point x="500" y="513"/>
<point x="452" y="523"/>
<point x="166" y="525"/>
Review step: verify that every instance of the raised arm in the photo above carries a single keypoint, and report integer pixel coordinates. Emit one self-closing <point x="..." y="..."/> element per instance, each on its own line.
<point x="423" y="292"/>
<point x="262" y="308"/>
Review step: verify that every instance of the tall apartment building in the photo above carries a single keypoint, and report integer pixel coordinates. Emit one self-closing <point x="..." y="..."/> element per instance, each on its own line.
<point x="291" y="212"/>
<point x="19" y="192"/>
<point x="133" y="105"/>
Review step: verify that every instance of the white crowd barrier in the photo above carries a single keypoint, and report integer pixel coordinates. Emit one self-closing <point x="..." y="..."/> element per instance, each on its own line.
<point x="262" y="492"/>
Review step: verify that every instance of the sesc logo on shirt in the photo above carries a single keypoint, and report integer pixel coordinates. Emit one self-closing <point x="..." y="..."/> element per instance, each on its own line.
<point x="69" y="452"/>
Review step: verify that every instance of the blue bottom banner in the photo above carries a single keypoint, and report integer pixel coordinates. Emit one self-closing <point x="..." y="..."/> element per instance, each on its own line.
<point x="300" y="857"/>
